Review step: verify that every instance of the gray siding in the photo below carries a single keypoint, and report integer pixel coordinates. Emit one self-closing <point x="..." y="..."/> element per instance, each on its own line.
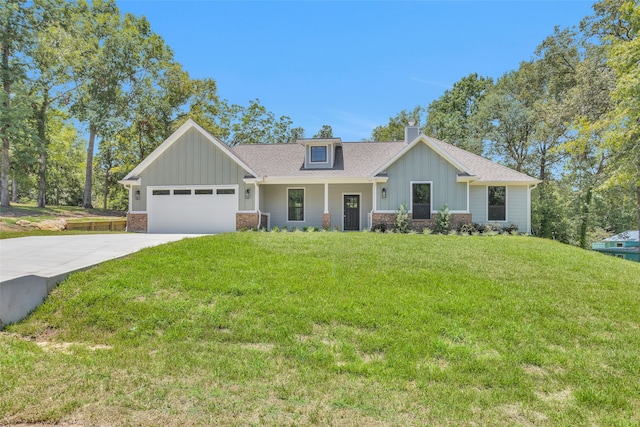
<point x="421" y="163"/>
<point x="517" y="209"/>
<point x="478" y="203"/>
<point x="273" y="200"/>
<point x="336" y="202"/>
<point x="194" y="160"/>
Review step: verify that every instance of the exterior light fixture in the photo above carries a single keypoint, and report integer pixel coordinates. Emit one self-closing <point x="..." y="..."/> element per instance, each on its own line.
<point x="384" y="193"/>
<point x="247" y="193"/>
<point x="137" y="194"/>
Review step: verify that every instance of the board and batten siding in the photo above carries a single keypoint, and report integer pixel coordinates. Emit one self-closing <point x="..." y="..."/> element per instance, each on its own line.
<point x="194" y="160"/>
<point x="421" y="163"/>
<point x="336" y="203"/>
<point x="517" y="206"/>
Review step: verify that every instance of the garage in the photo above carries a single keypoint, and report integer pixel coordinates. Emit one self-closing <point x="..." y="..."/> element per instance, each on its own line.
<point x="192" y="209"/>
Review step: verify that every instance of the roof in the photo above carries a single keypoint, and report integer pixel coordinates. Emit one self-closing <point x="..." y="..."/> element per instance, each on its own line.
<point x="626" y="236"/>
<point x="353" y="159"/>
<point x="367" y="159"/>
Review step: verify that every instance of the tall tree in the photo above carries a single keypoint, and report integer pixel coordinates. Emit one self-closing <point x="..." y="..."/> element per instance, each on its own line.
<point x="449" y="117"/>
<point x="117" y="49"/>
<point x="394" y="130"/>
<point x="325" y="132"/>
<point x="15" y="36"/>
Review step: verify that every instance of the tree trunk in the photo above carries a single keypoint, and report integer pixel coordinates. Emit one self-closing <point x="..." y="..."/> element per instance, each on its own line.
<point x="14" y="189"/>
<point x="41" y="115"/>
<point x="106" y="190"/>
<point x="584" y="221"/>
<point x="4" y="174"/>
<point x="88" y="177"/>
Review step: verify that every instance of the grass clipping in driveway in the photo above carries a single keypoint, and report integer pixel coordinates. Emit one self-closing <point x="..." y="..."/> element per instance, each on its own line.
<point x="333" y="329"/>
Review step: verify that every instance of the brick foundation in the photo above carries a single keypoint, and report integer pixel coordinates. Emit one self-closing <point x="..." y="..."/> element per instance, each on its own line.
<point x="326" y="221"/>
<point x="387" y="219"/>
<point x="137" y="223"/>
<point x="246" y="220"/>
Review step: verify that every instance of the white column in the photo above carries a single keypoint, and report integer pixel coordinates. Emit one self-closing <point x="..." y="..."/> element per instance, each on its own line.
<point x="256" y="197"/>
<point x="326" y="197"/>
<point x="375" y="196"/>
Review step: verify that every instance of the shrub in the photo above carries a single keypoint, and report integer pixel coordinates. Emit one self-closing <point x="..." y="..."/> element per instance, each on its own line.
<point x="443" y="219"/>
<point x="380" y="228"/>
<point x="427" y="230"/>
<point x="275" y="229"/>
<point x="401" y="223"/>
<point x="311" y="229"/>
<point x="467" y="229"/>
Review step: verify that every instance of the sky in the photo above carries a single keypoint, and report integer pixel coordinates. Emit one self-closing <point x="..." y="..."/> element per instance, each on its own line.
<point x="350" y="64"/>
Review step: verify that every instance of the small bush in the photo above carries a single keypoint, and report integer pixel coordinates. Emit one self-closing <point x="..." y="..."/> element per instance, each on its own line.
<point x="427" y="231"/>
<point x="467" y="229"/>
<point x="243" y="229"/>
<point x="311" y="229"/>
<point x="401" y="223"/>
<point x="275" y="229"/>
<point x="380" y="228"/>
<point x="443" y="219"/>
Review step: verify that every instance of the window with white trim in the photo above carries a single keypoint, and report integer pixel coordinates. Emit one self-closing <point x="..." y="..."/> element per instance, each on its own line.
<point x="295" y="211"/>
<point x="497" y="200"/>
<point x="319" y="154"/>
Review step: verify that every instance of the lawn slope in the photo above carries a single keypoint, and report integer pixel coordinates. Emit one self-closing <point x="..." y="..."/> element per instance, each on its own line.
<point x="334" y="329"/>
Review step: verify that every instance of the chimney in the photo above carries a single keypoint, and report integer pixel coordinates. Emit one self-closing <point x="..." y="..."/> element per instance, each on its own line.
<point x="411" y="132"/>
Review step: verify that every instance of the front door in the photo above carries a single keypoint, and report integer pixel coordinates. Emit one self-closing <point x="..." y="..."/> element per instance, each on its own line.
<point x="351" y="212"/>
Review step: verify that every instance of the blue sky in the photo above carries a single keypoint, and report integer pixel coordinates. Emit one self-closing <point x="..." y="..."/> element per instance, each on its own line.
<point x="350" y="64"/>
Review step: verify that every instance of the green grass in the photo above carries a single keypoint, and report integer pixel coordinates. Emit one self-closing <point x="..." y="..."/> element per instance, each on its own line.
<point x="334" y="329"/>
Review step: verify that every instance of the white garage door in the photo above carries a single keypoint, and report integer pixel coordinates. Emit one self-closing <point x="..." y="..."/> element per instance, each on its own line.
<point x="191" y="209"/>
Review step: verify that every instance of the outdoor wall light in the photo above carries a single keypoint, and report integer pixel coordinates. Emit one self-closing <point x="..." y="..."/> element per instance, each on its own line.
<point x="384" y="193"/>
<point x="137" y="194"/>
<point x="247" y="193"/>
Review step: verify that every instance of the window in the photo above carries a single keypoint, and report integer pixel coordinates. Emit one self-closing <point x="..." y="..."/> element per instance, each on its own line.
<point x="181" y="192"/>
<point x="619" y="245"/>
<point x="319" y="154"/>
<point x="204" y="191"/>
<point x="296" y="204"/>
<point x="160" y="192"/>
<point x="421" y="200"/>
<point x="225" y="191"/>
<point x="497" y="203"/>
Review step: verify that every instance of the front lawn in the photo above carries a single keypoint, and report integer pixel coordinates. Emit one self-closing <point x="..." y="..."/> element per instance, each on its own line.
<point x="334" y="329"/>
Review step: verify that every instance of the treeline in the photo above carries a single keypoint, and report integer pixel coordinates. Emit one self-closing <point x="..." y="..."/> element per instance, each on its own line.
<point x="570" y="116"/>
<point x="78" y="74"/>
<point x="73" y="64"/>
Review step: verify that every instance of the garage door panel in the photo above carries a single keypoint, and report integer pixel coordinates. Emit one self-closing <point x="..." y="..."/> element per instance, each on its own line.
<point x="192" y="210"/>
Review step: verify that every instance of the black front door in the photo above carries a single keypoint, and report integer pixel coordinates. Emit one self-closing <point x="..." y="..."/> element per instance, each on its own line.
<point x="351" y="212"/>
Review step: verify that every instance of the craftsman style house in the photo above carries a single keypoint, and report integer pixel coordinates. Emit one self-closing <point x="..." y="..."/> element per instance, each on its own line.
<point x="194" y="183"/>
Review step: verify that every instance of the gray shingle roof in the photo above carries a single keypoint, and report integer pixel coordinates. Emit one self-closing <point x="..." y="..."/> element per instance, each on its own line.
<point x="363" y="159"/>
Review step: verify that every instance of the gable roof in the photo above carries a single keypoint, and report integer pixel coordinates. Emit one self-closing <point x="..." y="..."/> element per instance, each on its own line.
<point x="132" y="177"/>
<point x="626" y="236"/>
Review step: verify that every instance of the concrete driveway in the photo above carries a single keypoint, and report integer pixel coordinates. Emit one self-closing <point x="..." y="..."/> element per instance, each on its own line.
<point x="31" y="266"/>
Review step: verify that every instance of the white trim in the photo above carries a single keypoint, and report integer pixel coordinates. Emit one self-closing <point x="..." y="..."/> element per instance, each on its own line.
<point x="529" y="209"/>
<point x="459" y="211"/>
<point x="383" y="211"/>
<point x="138" y="212"/>
<point x="349" y="193"/>
<point x="304" y="204"/>
<point x="499" y="183"/>
<point x="247" y="212"/>
<point x="189" y="124"/>
<point x="299" y="180"/>
<point x="427" y="141"/>
<point x="506" y="203"/>
<point x="468" y="198"/>
<point x="410" y="209"/>
<point x="326" y="155"/>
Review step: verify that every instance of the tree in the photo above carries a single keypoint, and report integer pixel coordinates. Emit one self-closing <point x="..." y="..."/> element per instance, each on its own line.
<point x="394" y="130"/>
<point x="14" y="37"/>
<point x="449" y="118"/>
<point x="325" y="132"/>
<point x="118" y="51"/>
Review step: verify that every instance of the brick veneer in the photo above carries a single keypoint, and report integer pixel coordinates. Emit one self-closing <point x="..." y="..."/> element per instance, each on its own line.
<point x="246" y="220"/>
<point x="456" y="220"/>
<point x="137" y="222"/>
<point x="326" y="221"/>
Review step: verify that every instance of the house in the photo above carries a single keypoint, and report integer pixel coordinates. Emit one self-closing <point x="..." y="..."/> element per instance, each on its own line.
<point x="194" y="183"/>
<point x="623" y="245"/>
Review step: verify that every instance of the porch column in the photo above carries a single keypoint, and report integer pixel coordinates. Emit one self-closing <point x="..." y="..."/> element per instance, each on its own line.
<point x="256" y="197"/>
<point x="326" y="216"/>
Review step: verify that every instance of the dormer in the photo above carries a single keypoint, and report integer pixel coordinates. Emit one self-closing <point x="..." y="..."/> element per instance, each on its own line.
<point x="320" y="153"/>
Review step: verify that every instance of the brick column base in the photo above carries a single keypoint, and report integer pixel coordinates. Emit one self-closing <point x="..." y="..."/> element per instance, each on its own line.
<point x="137" y="222"/>
<point x="326" y="221"/>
